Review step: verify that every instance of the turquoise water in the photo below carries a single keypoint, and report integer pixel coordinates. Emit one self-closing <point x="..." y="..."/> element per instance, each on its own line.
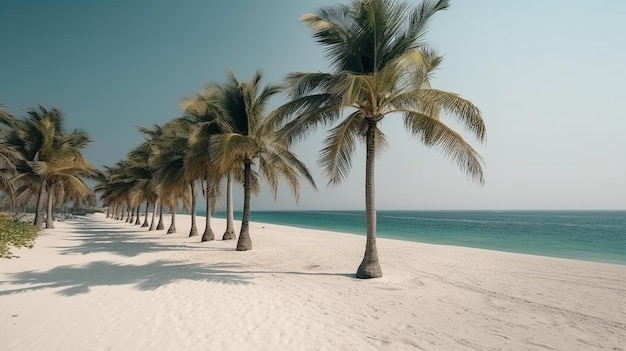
<point x="585" y="235"/>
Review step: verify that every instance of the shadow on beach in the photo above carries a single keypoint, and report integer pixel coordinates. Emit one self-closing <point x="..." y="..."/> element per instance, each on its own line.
<point x="97" y="236"/>
<point x="77" y="279"/>
<point x="130" y="241"/>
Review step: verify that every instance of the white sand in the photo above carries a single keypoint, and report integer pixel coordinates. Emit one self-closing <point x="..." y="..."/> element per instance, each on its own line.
<point x="100" y="284"/>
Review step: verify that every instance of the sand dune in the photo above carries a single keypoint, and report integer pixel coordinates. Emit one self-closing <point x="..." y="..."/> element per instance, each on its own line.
<point x="98" y="284"/>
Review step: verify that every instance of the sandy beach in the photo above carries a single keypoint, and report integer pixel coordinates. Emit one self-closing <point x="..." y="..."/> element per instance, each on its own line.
<point x="98" y="284"/>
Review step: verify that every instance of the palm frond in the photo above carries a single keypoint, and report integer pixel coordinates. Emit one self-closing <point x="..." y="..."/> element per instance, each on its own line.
<point x="340" y="144"/>
<point x="434" y="133"/>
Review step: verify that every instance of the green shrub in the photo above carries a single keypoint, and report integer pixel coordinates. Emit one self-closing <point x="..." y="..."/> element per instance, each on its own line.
<point x="15" y="233"/>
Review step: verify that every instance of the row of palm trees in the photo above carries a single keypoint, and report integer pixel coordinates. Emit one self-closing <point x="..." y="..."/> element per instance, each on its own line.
<point x="381" y="66"/>
<point x="42" y="165"/>
<point x="225" y="129"/>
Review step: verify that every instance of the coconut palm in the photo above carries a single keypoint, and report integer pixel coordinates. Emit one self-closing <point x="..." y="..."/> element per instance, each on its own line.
<point x="380" y="67"/>
<point x="34" y="138"/>
<point x="65" y="171"/>
<point x="9" y="157"/>
<point x="49" y="157"/>
<point x="117" y="188"/>
<point x="199" y="165"/>
<point x="205" y="114"/>
<point x="152" y="135"/>
<point x="141" y="173"/>
<point x="250" y="138"/>
<point x="168" y="163"/>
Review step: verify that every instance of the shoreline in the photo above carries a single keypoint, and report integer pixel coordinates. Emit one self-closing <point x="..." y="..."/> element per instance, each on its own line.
<point x="96" y="283"/>
<point x="576" y="253"/>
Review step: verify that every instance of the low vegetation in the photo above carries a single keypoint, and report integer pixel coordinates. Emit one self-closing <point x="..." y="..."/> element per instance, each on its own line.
<point x="15" y="233"/>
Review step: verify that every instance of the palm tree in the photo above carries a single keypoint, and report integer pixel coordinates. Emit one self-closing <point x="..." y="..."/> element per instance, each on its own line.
<point x="9" y="157"/>
<point x="204" y="113"/>
<point x="381" y="67"/>
<point x="49" y="157"/>
<point x="250" y="137"/>
<point x="118" y="188"/>
<point x="65" y="171"/>
<point x="199" y="165"/>
<point x="142" y="174"/>
<point x="34" y="138"/>
<point x="152" y="135"/>
<point x="168" y="162"/>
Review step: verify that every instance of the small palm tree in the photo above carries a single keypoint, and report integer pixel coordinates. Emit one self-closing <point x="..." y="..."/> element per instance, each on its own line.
<point x="250" y="137"/>
<point x="381" y="67"/>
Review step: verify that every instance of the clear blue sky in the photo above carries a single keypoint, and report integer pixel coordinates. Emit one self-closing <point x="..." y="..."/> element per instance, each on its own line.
<point x="548" y="76"/>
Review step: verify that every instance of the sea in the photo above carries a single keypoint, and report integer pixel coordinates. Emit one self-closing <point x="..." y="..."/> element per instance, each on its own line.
<point x="598" y="236"/>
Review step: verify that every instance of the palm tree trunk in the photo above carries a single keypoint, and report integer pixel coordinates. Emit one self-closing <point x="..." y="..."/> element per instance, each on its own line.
<point x="229" y="234"/>
<point x="172" y="228"/>
<point x="245" y="243"/>
<point x="370" y="266"/>
<point x="50" y="214"/>
<point x="38" y="209"/>
<point x="154" y="210"/>
<point x="145" y="217"/>
<point x="131" y="214"/>
<point x="208" y="234"/>
<point x="138" y="217"/>
<point x="160" y="226"/>
<point x="194" y="228"/>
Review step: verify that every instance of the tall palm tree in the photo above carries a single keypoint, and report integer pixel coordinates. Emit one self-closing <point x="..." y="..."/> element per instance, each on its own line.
<point x="65" y="171"/>
<point x="34" y="138"/>
<point x="250" y="137"/>
<point x="199" y="165"/>
<point x="173" y="181"/>
<point x="152" y="135"/>
<point x="381" y="67"/>
<point x="142" y="173"/>
<point x="205" y="114"/>
<point x="49" y="157"/>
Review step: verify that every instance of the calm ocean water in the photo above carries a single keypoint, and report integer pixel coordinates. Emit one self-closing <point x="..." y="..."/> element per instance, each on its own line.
<point x="585" y="235"/>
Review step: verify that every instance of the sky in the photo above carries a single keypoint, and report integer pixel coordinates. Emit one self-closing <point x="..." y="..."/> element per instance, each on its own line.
<point x="548" y="77"/>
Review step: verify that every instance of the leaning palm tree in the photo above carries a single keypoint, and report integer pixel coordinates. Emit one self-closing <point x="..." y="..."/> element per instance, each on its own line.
<point x="380" y="67"/>
<point x="250" y="137"/>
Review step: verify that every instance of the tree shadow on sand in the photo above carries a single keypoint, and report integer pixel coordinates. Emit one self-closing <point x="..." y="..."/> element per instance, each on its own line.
<point x="95" y="236"/>
<point x="78" y="279"/>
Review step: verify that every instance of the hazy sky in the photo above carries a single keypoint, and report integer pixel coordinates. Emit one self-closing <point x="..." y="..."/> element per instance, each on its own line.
<point x="549" y="77"/>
